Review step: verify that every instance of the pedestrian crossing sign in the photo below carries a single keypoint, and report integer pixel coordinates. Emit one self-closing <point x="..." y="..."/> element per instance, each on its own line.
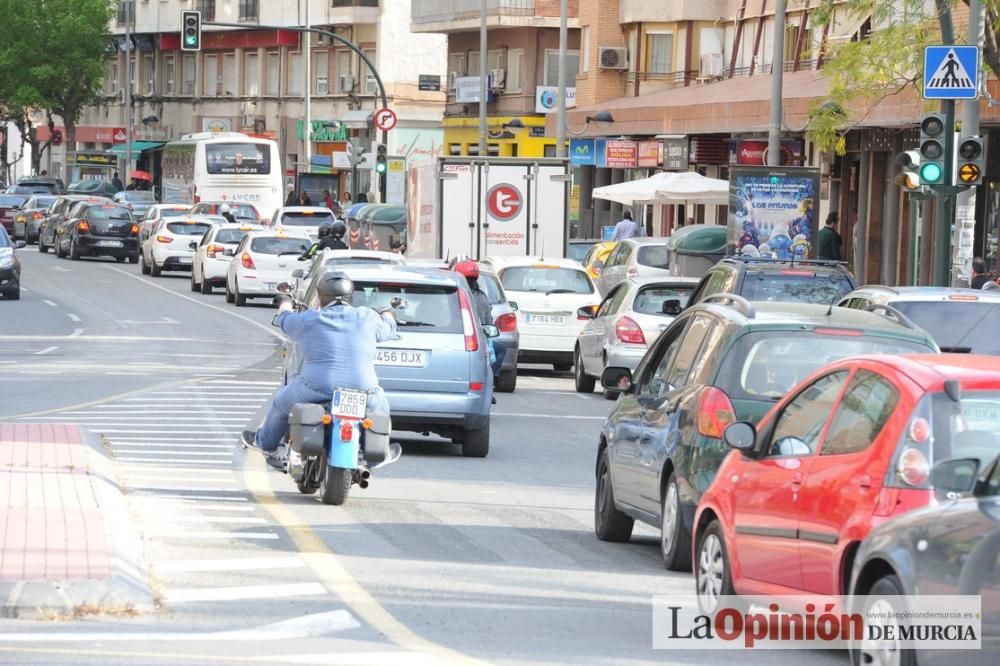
<point x="951" y="72"/>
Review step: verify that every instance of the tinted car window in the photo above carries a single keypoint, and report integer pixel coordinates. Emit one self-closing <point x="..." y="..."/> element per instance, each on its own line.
<point x="138" y="196"/>
<point x="796" y="287"/>
<point x="273" y="245"/>
<point x="171" y="212"/>
<point x="800" y="424"/>
<point x="429" y="309"/>
<point x="655" y="256"/>
<point x="305" y="219"/>
<point x="961" y="326"/>
<point x="105" y="212"/>
<point x="613" y="303"/>
<point x="534" y="278"/>
<point x="655" y="380"/>
<point x="12" y="200"/>
<point x="490" y="285"/>
<point x="188" y="229"/>
<point x="650" y="300"/>
<point x="41" y="202"/>
<point x="866" y="406"/>
<point x="231" y="236"/>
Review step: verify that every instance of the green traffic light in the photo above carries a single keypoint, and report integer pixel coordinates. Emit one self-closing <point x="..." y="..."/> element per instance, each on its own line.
<point x="380" y="168"/>
<point x="930" y="173"/>
<point x="191" y="40"/>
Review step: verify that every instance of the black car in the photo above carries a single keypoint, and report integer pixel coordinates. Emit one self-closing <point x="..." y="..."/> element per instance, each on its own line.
<point x="98" y="229"/>
<point x="794" y="280"/>
<point x="10" y="267"/>
<point x="950" y="547"/>
<point x="57" y="215"/>
<point x="39" y="185"/>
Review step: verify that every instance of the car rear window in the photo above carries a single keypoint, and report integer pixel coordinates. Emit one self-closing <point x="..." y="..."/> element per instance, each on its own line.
<point x="491" y="287"/>
<point x="188" y="228"/>
<point x="232" y="236"/>
<point x="957" y="326"/>
<point x="305" y="219"/>
<point x="106" y="213"/>
<point x="172" y="212"/>
<point x="794" y="286"/>
<point x="968" y="428"/>
<point x="138" y="196"/>
<point x="546" y="279"/>
<point x="44" y="202"/>
<point x="654" y="256"/>
<point x="577" y="251"/>
<point x="429" y="309"/>
<point x="765" y="365"/>
<point x="12" y="200"/>
<point x="275" y="245"/>
<point x="650" y="300"/>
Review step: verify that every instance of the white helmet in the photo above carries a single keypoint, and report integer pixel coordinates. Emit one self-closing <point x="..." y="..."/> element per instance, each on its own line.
<point x="224" y="208"/>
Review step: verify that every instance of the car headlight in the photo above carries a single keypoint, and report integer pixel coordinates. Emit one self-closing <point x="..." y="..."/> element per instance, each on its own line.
<point x="6" y="260"/>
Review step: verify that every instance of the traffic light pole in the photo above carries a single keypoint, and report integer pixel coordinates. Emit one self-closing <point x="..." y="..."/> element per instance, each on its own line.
<point x="944" y="205"/>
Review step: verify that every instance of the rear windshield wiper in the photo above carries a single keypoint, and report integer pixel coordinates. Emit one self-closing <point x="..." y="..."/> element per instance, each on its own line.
<point x="560" y="291"/>
<point x="413" y="323"/>
<point x="956" y="350"/>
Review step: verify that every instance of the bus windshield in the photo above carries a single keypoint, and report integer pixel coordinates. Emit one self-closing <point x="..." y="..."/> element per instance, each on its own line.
<point x="235" y="158"/>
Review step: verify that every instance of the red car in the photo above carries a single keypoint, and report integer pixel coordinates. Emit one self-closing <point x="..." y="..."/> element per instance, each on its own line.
<point x="846" y="450"/>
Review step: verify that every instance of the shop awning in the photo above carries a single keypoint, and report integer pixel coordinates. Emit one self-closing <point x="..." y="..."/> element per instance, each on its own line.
<point x="137" y="146"/>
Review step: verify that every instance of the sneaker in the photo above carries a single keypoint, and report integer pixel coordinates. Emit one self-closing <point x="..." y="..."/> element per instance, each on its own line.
<point x="249" y="439"/>
<point x="276" y="458"/>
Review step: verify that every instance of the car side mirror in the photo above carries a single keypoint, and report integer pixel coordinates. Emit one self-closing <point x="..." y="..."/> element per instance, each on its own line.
<point x="616" y="380"/>
<point x="298" y="274"/>
<point x="513" y="305"/>
<point x="586" y="312"/>
<point x="491" y="331"/>
<point x="228" y="253"/>
<point x="955" y="476"/>
<point x="193" y="245"/>
<point x="740" y="436"/>
<point x="671" y="307"/>
<point x="19" y="244"/>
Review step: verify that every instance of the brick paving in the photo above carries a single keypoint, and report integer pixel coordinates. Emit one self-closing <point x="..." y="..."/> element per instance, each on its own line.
<point x="51" y="526"/>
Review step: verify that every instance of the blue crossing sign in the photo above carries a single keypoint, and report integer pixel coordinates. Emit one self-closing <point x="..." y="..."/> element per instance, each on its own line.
<point x="951" y="72"/>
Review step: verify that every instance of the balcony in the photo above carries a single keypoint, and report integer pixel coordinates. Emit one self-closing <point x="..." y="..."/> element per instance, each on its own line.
<point x="464" y="15"/>
<point x="644" y="11"/>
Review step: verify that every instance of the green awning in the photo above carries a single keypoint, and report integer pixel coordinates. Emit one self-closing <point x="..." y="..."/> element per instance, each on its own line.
<point x="137" y="146"/>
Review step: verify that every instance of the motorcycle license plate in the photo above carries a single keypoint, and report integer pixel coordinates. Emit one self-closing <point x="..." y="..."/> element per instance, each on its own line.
<point x="349" y="404"/>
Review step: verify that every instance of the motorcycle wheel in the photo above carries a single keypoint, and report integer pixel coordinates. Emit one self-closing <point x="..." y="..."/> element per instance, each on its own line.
<point x="336" y="485"/>
<point x="307" y="486"/>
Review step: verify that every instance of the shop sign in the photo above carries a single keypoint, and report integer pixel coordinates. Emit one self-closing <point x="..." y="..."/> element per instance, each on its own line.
<point x="675" y="154"/>
<point x="648" y="154"/>
<point x="582" y="153"/>
<point x="83" y="159"/>
<point x="754" y="153"/>
<point x="323" y="130"/>
<point x="547" y="99"/>
<point x="620" y="154"/>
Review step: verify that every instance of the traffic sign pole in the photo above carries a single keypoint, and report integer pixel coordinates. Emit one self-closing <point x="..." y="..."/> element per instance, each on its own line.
<point x="965" y="208"/>
<point x="944" y="204"/>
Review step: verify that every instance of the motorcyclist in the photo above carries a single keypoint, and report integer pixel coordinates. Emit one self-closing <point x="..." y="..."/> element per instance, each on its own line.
<point x="331" y="237"/>
<point x="484" y="310"/>
<point x="227" y="212"/>
<point x="338" y="343"/>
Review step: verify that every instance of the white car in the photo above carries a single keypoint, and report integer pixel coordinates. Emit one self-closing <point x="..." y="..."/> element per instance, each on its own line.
<point x="214" y="254"/>
<point x="156" y="213"/>
<point x="328" y="259"/>
<point x="262" y="260"/>
<point x="171" y="243"/>
<point x="549" y="293"/>
<point x="302" y="219"/>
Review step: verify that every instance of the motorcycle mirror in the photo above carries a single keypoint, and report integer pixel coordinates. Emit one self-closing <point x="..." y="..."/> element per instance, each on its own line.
<point x="491" y="331"/>
<point x="284" y="288"/>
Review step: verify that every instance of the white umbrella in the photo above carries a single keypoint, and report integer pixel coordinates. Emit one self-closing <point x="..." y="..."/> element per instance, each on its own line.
<point x="667" y="188"/>
<point x="634" y="192"/>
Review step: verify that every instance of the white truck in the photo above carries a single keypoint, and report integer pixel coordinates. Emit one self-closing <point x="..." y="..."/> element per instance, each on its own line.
<point x="495" y="207"/>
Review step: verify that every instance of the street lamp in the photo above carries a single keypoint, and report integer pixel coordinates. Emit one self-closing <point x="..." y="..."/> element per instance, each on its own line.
<point x="603" y="117"/>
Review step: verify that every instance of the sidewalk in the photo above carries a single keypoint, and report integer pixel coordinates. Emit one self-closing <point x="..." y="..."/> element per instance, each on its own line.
<point x="67" y="544"/>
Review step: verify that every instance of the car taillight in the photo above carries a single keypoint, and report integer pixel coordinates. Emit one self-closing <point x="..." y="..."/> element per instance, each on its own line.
<point x="911" y="465"/>
<point x="507" y="323"/>
<point x="135" y="230"/>
<point x="247" y="261"/>
<point x="83" y="227"/>
<point x="37" y="216"/>
<point x="213" y="250"/>
<point x="164" y="239"/>
<point x="628" y="331"/>
<point x="475" y="386"/>
<point x="715" y="412"/>
<point x="468" y="325"/>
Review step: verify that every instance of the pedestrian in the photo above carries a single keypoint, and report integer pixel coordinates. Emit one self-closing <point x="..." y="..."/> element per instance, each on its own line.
<point x="979" y="276"/>
<point x="327" y="199"/>
<point x="829" y="238"/>
<point x="361" y="198"/>
<point x="304" y="199"/>
<point x="292" y="199"/>
<point x="132" y="185"/>
<point x="44" y="172"/>
<point x="117" y="183"/>
<point x="627" y="228"/>
<point x="345" y="200"/>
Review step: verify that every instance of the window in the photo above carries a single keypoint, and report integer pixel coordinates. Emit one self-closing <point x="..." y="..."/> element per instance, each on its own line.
<point x="149" y="69"/>
<point x="687" y="353"/>
<point x="251" y="75"/>
<point x="229" y="87"/>
<point x="207" y="9"/>
<point x="190" y="71"/>
<point x="294" y="74"/>
<point x="659" y="360"/>
<point x="613" y="302"/>
<point x="492" y="62"/>
<point x="708" y="359"/>
<point x="456" y="68"/>
<point x="650" y="300"/>
<point x="370" y="86"/>
<point x="112" y="86"/>
<point x="272" y="85"/>
<point x="248" y="10"/>
<point x="134" y="74"/>
<point x="867" y="404"/>
<point x="344" y="85"/>
<point x="515" y="66"/>
<point x="168" y="76"/>
<point x="585" y="48"/>
<point x="210" y="86"/>
<point x="799" y="426"/>
<point x="552" y="67"/>
<point x="321" y="72"/>
<point x="659" y="53"/>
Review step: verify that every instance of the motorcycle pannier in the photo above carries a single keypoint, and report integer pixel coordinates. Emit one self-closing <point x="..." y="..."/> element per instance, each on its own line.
<point x="377" y="437"/>
<point x="306" y="431"/>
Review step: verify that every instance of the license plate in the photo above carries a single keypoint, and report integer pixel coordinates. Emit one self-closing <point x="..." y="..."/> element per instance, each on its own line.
<point x="409" y="358"/>
<point x="547" y="319"/>
<point x="271" y="286"/>
<point x="109" y="243"/>
<point x="184" y="260"/>
<point x="349" y="404"/>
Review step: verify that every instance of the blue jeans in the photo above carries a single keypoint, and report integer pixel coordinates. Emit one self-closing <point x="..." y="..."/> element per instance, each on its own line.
<point x="499" y="350"/>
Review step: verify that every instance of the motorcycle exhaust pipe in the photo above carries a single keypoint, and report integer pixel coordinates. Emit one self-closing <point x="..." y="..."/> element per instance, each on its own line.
<point x="363" y="483"/>
<point x="365" y="474"/>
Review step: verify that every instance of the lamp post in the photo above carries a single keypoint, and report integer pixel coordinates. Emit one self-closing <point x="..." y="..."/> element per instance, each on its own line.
<point x="128" y="87"/>
<point x="777" y="81"/>
<point x="482" y="80"/>
<point x="561" y="93"/>
<point x="603" y="117"/>
<point x="307" y="68"/>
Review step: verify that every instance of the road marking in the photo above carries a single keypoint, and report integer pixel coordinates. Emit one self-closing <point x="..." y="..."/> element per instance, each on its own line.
<point x="193" y="505"/>
<point x="216" y="382"/>
<point x="136" y="338"/>
<point x="73" y="317"/>
<point x="46" y="350"/>
<point x="136" y="470"/>
<point x="130" y="479"/>
<point x="176" y="462"/>
<point x="111" y="410"/>
<point x="48" y="302"/>
<point x="213" y="534"/>
<point x="214" y="394"/>
<point x="164" y="320"/>
<point x="200" y="518"/>
<point x="229" y="564"/>
<point x="153" y="445"/>
<point x="161" y="431"/>
<point x="169" y="452"/>
<point x="201" y="400"/>
<point x="197" y="498"/>
<point x="146" y="421"/>
<point x="398" y="658"/>
<point x="244" y="592"/>
<point x="171" y="440"/>
<point x="77" y="332"/>
<point x="547" y="416"/>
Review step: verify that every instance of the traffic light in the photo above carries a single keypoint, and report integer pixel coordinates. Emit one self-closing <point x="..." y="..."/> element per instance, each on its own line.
<point x="971" y="161"/>
<point x="932" y="131"/>
<point x="355" y="153"/>
<point x="381" y="159"/>
<point x="190" y="31"/>
<point x="909" y="175"/>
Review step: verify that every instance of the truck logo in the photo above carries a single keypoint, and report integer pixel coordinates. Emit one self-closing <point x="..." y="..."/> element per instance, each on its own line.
<point x="503" y="202"/>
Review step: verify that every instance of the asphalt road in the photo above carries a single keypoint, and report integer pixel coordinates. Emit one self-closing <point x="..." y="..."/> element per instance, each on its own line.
<point x="441" y="560"/>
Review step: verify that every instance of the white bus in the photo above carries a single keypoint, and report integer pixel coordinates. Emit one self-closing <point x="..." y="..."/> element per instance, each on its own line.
<point x="227" y="166"/>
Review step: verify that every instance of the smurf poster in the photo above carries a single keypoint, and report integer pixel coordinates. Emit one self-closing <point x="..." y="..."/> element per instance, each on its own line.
<point x="773" y="212"/>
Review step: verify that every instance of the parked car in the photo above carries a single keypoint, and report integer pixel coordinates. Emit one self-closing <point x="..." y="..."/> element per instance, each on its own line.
<point x="156" y="213"/>
<point x="213" y="254"/>
<point x="436" y="374"/>
<point x="549" y="293"/>
<point x="262" y="261"/>
<point x="243" y="212"/>
<point x="578" y="248"/>
<point x="721" y="361"/>
<point x="594" y="260"/>
<point x="10" y="267"/>
<point x="505" y="319"/>
<point x="58" y="213"/>
<point x="38" y="185"/>
<point x="137" y="201"/>
<point x="97" y="188"/>
<point x="169" y="246"/>
<point x="28" y="220"/>
<point x="848" y="449"/>
<point x="303" y="220"/>
<point x="799" y="281"/>
<point x="628" y="320"/>
<point x="950" y="547"/>
<point x="635" y="257"/>
<point x="98" y="229"/>
<point x="10" y="205"/>
<point x="960" y="320"/>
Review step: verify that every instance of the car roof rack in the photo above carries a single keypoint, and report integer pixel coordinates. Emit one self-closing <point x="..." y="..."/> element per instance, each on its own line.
<point x="740" y="304"/>
<point x="890" y="312"/>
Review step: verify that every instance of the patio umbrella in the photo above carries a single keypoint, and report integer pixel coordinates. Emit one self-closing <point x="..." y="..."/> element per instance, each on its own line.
<point x="687" y="187"/>
<point x="634" y="191"/>
<point x="140" y="175"/>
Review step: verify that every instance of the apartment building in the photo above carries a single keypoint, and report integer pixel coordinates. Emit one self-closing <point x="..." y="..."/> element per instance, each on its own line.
<point x="252" y="79"/>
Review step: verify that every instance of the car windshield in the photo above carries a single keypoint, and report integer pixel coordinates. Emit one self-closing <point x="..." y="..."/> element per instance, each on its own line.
<point x="232" y="236"/>
<point x="430" y="309"/>
<point x="650" y="300"/>
<point x="12" y="200"/>
<point x="957" y="326"/>
<point x="106" y="213"/>
<point x="654" y="256"/>
<point x="305" y="219"/>
<point x="969" y="428"/>
<point x="491" y="287"/>
<point x="172" y="212"/>
<point x="577" y="251"/>
<point x="796" y="287"/>
<point x="138" y="196"/>
<point x="546" y="279"/>
<point x="275" y="245"/>
<point x="767" y="364"/>
<point x="188" y="228"/>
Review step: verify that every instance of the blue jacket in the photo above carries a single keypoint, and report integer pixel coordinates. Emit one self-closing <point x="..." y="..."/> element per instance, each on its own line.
<point x="338" y="343"/>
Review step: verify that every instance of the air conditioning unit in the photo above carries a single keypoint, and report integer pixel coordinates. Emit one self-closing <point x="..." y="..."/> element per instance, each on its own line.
<point x="498" y="79"/>
<point x="612" y="57"/>
<point x="371" y="87"/>
<point x="711" y="65"/>
<point x="345" y="84"/>
<point x="248" y="120"/>
<point x="322" y="85"/>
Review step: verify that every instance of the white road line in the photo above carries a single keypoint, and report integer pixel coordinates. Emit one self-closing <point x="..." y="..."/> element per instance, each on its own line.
<point x="235" y="382"/>
<point x="213" y="534"/>
<point x="131" y="412"/>
<point x="201" y="518"/>
<point x="172" y="440"/>
<point x="77" y="332"/>
<point x="229" y="564"/>
<point x="193" y="392"/>
<point x="146" y="422"/>
<point x="169" y="445"/>
<point x="130" y="479"/>
<point x="46" y="350"/>
<point x="168" y="452"/>
<point x="244" y="592"/>
<point x="48" y="302"/>
<point x="73" y="317"/>
<point x="196" y="498"/>
<point x="398" y="658"/>
<point x="168" y="431"/>
<point x="135" y="471"/>
<point x="157" y="511"/>
<point x="176" y="462"/>
<point x="198" y="401"/>
<point x="547" y="416"/>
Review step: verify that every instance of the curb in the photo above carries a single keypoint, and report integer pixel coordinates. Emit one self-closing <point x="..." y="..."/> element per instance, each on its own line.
<point x="125" y="592"/>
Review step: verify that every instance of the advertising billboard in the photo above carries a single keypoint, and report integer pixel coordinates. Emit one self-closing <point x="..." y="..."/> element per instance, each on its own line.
<point x="772" y="212"/>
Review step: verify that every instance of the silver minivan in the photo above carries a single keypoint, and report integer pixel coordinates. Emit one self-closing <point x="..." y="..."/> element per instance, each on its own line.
<point x="635" y="257"/>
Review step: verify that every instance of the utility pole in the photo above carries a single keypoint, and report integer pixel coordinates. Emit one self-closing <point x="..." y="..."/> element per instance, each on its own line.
<point x="777" y="81"/>
<point x="945" y="201"/>
<point x="128" y="88"/>
<point x="966" y="202"/>
<point x="483" y="57"/>
<point x="561" y="94"/>
<point x="307" y="68"/>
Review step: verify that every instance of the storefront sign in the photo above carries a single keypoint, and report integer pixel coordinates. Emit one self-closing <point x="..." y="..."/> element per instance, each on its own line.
<point x="675" y="154"/>
<point x="582" y="153"/>
<point x="216" y="125"/>
<point x="102" y="160"/>
<point x="429" y="82"/>
<point x="772" y="212"/>
<point x="547" y="99"/>
<point x="754" y="153"/>
<point x="395" y="181"/>
<point x="648" y="154"/>
<point x="323" y="130"/>
<point x="620" y="154"/>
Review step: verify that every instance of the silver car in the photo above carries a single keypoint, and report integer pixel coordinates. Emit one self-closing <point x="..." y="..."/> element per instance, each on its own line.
<point x="628" y="320"/>
<point x="28" y="220"/>
<point x="505" y="319"/>
<point x="634" y="257"/>
<point x="137" y="201"/>
<point x="959" y="320"/>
